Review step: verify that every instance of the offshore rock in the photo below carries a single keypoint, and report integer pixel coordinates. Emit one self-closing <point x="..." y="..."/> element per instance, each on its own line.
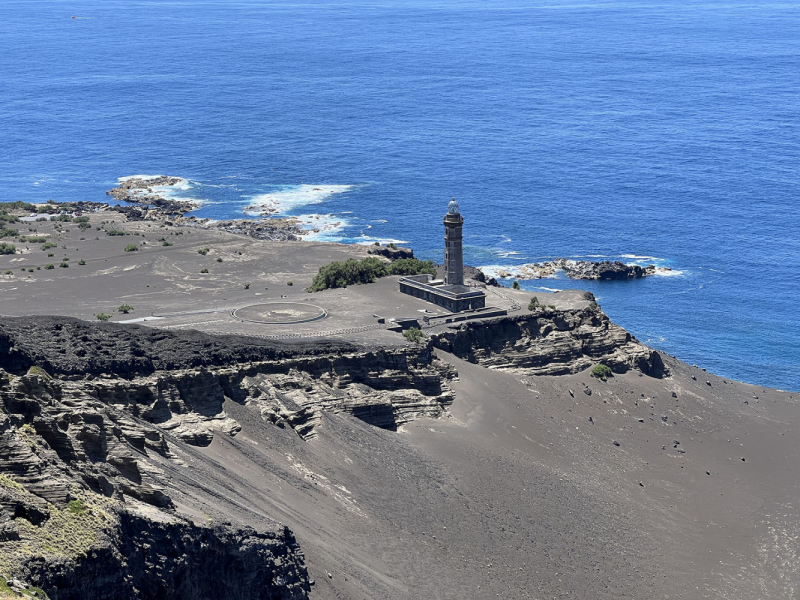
<point x="140" y="191"/>
<point x="584" y="269"/>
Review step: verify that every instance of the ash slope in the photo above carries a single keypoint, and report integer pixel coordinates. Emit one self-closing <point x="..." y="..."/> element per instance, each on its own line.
<point x="403" y="473"/>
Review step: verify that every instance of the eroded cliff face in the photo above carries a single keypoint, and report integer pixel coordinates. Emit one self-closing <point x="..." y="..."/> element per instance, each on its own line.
<point x="86" y="510"/>
<point x="85" y="514"/>
<point x="550" y="342"/>
<point x="93" y="416"/>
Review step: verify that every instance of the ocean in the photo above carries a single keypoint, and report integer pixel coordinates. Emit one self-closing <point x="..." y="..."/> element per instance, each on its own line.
<point x="655" y="132"/>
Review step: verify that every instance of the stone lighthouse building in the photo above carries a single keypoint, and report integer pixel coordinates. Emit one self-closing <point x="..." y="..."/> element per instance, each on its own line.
<point x="451" y="293"/>
<point x="453" y="252"/>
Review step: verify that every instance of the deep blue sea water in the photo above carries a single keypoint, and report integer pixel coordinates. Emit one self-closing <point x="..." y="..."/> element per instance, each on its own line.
<point x="666" y="129"/>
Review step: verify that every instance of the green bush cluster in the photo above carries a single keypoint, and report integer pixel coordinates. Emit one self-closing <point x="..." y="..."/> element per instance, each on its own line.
<point x="7" y="248"/>
<point x="6" y="232"/>
<point x="367" y="270"/>
<point x="131" y="248"/>
<point x="350" y="272"/>
<point x="412" y="266"/>
<point x="32" y="239"/>
<point x="115" y="232"/>
<point x="534" y="303"/>
<point x="17" y="205"/>
<point x="413" y="335"/>
<point x="203" y="251"/>
<point x="103" y="316"/>
<point x="602" y="372"/>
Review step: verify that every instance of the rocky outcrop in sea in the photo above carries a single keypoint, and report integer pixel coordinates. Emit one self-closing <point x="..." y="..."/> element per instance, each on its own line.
<point x="583" y="269"/>
<point x="140" y="191"/>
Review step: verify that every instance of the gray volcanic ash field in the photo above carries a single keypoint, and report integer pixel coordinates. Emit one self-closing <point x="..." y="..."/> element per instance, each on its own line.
<point x="198" y="456"/>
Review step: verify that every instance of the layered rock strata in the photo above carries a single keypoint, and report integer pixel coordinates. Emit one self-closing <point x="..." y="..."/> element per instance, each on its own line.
<point x="549" y="342"/>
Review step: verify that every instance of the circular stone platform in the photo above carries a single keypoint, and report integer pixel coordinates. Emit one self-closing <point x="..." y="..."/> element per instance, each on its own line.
<point x="280" y="313"/>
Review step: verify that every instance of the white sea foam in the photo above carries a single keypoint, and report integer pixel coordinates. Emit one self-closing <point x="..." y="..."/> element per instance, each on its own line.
<point x="321" y="227"/>
<point x="547" y="289"/>
<point x="495" y="270"/>
<point x="668" y="272"/>
<point x="286" y="197"/>
<point x="636" y="257"/>
<point x="367" y="240"/>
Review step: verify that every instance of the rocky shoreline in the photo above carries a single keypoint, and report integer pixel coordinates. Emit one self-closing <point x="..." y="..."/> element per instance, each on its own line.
<point x="140" y="191"/>
<point x="583" y="269"/>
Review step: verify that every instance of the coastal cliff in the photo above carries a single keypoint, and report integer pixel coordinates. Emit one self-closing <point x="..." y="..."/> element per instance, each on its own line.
<point x="549" y="342"/>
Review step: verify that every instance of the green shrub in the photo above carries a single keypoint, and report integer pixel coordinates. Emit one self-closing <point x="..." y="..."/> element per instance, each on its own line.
<point x="247" y="286"/>
<point x="515" y="285"/>
<point x="114" y="232"/>
<point x="9" y="272"/>
<point x="166" y="243"/>
<point x="48" y="245"/>
<point x="412" y="266"/>
<point x="125" y="308"/>
<point x="413" y="335"/>
<point x="18" y="205"/>
<point x="81" y="262"/>
<point x="64" y="264"/>
<point x="50" y="255"/>
<point x="32" y="239"/>
<point x="131" y="248"/>
<point x="602" y="372"/>
<point x="289" y="283"/>
<point x="80" y="220"/>
<point x="219" y="259"/>
<point x="204" y="270"/>
<point x="37" y="370"/>
<point x="392" y="245"/>
<point x="5" y="232"/>
<point x="534" y="303"/>
<point x="203" y="251"/>
<point x="50" y="266"/>
<point x="7" y="248"/>
<point x="593" y="304"/>
<point x="84" y="226"/>
<point x="76" y="507"/>
<point x="64" y="218"/>
<point x="349" y="272"/>
<point x="103" y="316"/>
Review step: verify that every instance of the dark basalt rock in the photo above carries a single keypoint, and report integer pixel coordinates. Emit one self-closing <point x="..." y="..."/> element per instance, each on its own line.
<point x="392" y="254"/>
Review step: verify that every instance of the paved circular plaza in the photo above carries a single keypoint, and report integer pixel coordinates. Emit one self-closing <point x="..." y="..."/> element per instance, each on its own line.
<point x="280" y="313"/>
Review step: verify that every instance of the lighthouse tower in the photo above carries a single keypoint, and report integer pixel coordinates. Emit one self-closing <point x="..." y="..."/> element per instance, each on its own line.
<point x="453" y="253"/>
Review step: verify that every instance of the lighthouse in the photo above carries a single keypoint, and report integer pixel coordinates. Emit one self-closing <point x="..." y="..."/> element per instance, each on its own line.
<point x="453" y="252"/>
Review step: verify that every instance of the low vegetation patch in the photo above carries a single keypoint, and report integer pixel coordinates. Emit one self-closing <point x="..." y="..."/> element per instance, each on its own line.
<point x="203" y="251"/>
<point x="350" y="272"/>
<point x="115" y="232"/>
<point x="32" y="239"/>
<point x="534" y="303"/>
<point x="6" y="248"/>
<point x="412" y="266"/>
<point x="6" y="232"/>
<point x="602" y="372"/>
<point x="131" y="248"/>
<point x="204" y="270"/>
<point x="125" y="308"/>
<point x="17" y="205"/>
<point x="414" y="335"/>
